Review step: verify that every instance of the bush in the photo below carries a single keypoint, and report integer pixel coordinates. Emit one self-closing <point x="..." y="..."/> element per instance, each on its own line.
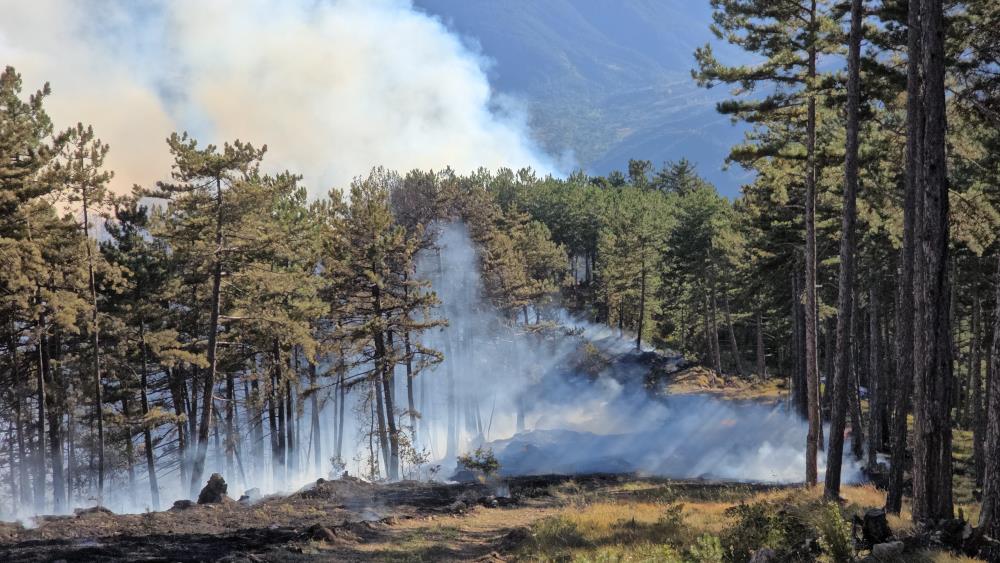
<point x="707" y="550"/>
<point x="786" y="528"/>
<point x="836" y="534"/>
<point x="481" y="460"/>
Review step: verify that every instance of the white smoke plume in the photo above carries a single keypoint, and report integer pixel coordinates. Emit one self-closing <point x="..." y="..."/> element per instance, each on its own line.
<point x="333" y="87"/>
<point x="577" y="422"/>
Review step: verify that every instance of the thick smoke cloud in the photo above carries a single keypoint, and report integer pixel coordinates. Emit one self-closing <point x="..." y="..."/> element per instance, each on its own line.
<point x="332" y="87"/>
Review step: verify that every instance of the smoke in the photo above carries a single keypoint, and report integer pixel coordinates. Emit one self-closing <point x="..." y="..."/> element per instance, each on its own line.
<point x="332" y="87"/>
<point x="528" y="397"/>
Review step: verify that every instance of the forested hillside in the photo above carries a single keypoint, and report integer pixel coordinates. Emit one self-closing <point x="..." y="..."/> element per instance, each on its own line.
<point x="208" y="316"/>
<point x="604" y="81"/>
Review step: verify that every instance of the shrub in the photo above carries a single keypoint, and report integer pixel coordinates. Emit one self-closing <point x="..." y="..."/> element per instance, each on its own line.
<point x="481" y="460"/>
<point x="708" y="549"/>
<point x="836" y="534"/>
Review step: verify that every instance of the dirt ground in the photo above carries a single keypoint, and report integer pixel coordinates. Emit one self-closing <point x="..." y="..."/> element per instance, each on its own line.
<point x="333" y="521"/>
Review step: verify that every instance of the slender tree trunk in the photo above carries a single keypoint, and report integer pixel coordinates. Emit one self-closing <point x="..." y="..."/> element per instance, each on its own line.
<point x="154" y="489"/>
<point x="291" y="442"/>
<point x="980" y="404"/>
<point x="875" y="390"/>
<point x="932" y="475"/>
<point x="317" y="442"/>
<point x="812" y="369"/>
<point x="56" y="396"/>
<point x="40" y="465"/>
<point x="96" y="344"/>
<point x="906" y="314"/>
<point x="714" y="332"/>
<point x="129" y="448"/>
<point x="642" y="303"/>
<point x="989" y="518"/>
<point x="198" y="467"/>
<point x="383" y="438"/>
<point x="798" y="377"/>
<point x="342" y="392"/>
<point x="761" y="357"/>
<point x="854" y="386"/>
<point x="845" y="288"/>
<point x="732" y="335"/>
<point x="177" y="398"/>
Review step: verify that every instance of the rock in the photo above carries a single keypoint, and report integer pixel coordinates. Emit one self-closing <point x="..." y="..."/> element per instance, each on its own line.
<point x="214" y="491"/>
<point x="888" y="551"/>
<point x="182" y="504"/>
<point x="764" y="555"/>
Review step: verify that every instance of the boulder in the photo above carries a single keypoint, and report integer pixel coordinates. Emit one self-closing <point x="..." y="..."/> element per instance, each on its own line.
<point x="888" y="551"/>
<point x="182" y="504"/>
<point x="214" y="491"/>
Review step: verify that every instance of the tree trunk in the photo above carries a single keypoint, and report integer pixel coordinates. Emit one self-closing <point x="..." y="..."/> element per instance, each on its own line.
<point x="812" y="367"/>
<point x="642" y="302"/>
<point x="875" y="390"/>
<point x="932" y="475"/>
<point x="989" y="518"/>
<point x="40" y="465"/>
<point x="906" y="315"/>
<point x="761" y="358"/>
<point x="154" y="490"/>
<point x="732" y="336"/>
<point x="317" y="442"/>
<point x="96" y="344"/>
<point x="198" y="467"/>
<point x="845" y="282"/>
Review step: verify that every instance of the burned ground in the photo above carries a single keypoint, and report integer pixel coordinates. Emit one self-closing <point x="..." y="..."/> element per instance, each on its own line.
<point x="332" y="520"/>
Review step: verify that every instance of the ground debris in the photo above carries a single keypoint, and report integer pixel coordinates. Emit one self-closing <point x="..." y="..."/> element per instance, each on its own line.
<point x="93" y="510"/>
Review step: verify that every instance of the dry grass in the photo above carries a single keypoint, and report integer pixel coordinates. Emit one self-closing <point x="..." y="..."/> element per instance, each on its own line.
<point x="703" y="380"/>
<point x="624" y="525"/>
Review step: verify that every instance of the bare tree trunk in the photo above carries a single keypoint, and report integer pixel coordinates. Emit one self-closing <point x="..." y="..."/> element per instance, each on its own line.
<point x="845" y="289"/>
<point x="761" y="357"/>
<point x="875" y="390"/>
<point x="154" y="490"/>
<point x="812" y="376"/>
<point x="96" y="344"/>
<point x="317" y="442"/>
<point x="906" y="315"/>
<point x="989" y="518"/>
<point x="56" y="394"/>
<point x="198" y="467"/>
<point x="732" y="335"/>
<point x="932" y="475"/>
<point x="642" y="302"/>
<point x="39" y="481"/>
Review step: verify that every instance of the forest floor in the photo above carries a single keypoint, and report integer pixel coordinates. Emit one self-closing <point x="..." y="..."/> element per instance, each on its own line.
<point x="551" y="518"/>
<point x="700" y="380"/>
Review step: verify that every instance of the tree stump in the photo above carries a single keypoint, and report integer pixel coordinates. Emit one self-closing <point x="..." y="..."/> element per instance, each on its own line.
<point x="215" y="491"/>
<point x="874" y="527"/>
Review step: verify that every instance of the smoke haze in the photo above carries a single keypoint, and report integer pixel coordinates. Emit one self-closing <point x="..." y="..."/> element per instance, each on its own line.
<point x="332" y="87"/>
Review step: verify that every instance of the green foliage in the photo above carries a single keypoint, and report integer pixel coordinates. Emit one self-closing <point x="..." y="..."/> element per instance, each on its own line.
<point x="481" y="459"/>
<point x="708" y="549"/>
<point x="835" y="534"/>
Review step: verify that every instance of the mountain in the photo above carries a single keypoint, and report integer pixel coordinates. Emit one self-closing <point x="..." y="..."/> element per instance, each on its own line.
<point x="604" y="80"/>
